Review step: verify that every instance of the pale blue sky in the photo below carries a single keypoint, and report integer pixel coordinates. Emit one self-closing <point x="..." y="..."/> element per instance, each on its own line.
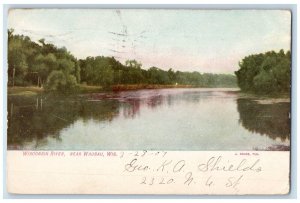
<point x="188" y="40"/>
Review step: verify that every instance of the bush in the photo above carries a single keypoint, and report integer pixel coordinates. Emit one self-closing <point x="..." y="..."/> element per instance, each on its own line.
<point x="56" y="81"/>
<point x="71" y="85"/>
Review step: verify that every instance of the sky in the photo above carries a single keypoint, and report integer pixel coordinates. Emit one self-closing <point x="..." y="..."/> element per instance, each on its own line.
<point x="211" y="41"/>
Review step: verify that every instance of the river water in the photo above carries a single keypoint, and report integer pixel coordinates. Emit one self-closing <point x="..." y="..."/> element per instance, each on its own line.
<point x="163" y="119"/>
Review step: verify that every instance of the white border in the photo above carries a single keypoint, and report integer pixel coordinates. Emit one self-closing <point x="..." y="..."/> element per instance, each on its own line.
<point x="163" y="3"/>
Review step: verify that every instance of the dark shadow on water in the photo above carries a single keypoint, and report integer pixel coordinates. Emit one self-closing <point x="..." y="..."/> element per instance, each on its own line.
<point x="265" y="119"/>
<point x="34" y="118"/>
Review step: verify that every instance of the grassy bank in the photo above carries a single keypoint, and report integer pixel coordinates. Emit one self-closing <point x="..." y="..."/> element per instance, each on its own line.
<point x="33" y="90"/>
<point x="25" y="91"/>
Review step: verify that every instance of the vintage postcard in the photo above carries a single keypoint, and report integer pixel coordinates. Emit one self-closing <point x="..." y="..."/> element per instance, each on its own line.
<point x="148" y="101"/>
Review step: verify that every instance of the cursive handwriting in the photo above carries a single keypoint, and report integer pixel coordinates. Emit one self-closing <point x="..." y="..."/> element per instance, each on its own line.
<point x="208" y="173"/>
<point x="216" y="164"/>
<point x="134" y="166"/>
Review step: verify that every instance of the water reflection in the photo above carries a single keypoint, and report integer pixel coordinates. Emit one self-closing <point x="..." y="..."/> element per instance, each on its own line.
<point x="32" y="118"/>
<point x="265" y="119"/>
<point x="195" y="118"/>
<point x="133" y="101"/>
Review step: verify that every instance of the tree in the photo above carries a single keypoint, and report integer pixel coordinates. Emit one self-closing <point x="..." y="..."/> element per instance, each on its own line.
<point x="265" y="73"/>
<point x="43" y="65"/>
<point x="42" y="41"/>
<point x="30" y="63"/>
<point x="17" y="64"/>
<point x="77" y="72"/>
<point x="133" y="64"/>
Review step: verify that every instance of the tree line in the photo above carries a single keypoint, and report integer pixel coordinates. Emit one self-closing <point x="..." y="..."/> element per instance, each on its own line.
<point x="268" y="72"/>
<point x="107" y="71"/>
<point x="56" y="69"/>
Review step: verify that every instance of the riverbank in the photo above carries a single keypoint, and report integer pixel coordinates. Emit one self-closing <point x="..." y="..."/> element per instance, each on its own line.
<point x="33" y="90"/>
<point x="252" y="95"/>
<point x="83" y="89"/>
<point x="24" y="91"/>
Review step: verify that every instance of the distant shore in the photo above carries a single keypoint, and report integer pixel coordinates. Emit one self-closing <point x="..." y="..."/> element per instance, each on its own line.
<point x="146" y="86"/>
<point x="33" y="90"/>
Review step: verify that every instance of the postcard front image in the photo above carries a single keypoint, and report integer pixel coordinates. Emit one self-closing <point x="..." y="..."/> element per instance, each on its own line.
<point x="148" y="101"/>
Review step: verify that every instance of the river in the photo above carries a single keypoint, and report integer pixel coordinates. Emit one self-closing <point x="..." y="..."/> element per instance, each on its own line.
<point x="160" y="119"/>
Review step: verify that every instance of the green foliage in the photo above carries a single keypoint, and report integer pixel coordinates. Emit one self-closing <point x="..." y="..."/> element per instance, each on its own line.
<point x="265" y="73"/>
<point x="17" y="63"/>
<point x="77" y="72"/>
<point x="107" y="71"/>
<point x="97" y="71"/>
<point x="133" y="64"/>
<point x="71" y="85"/>
<point x="32" y="64"/>
<point x="44" y="65"/>
<point x="56" y="81"/>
